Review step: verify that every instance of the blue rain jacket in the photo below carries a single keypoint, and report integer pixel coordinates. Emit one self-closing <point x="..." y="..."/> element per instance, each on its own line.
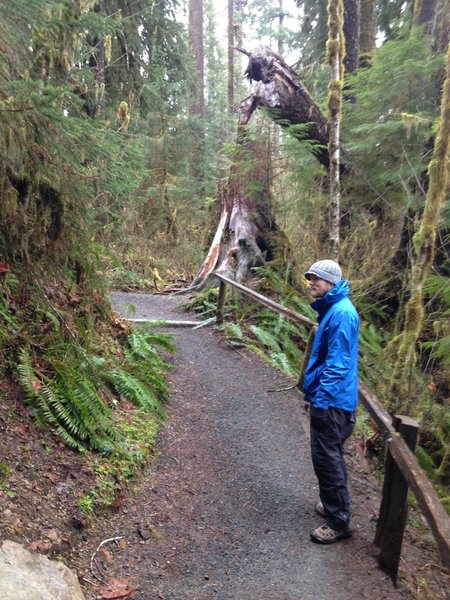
<point x="331" y="377"/>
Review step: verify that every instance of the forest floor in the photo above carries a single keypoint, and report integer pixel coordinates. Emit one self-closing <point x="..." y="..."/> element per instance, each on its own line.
<point x="224" y="512"/>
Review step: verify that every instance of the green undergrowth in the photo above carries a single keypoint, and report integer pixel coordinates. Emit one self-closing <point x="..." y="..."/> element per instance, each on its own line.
<point x="78" y="399"/>
<point x="139" y="431"/>
<point x="76" y="361"/>
<point x="98" y="384"/>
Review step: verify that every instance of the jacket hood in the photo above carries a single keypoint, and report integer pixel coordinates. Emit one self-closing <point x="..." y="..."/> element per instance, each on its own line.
<point x="339" y="291"/>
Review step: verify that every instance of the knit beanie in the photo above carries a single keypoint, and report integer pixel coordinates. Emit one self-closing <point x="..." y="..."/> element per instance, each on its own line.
<point x="328" y="270"/>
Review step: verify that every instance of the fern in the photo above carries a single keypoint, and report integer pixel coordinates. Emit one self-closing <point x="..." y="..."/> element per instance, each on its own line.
<point x="281" y="361"/>
<point x="142" y="342"/>
<point x="134" y="390"/>
<point x="426" y="462"/>
<point x="291" y="349"/>
<point x="67" y="398"/>
<point x="301" y="305"/>
<point x="265" y="338"/>
<point x="205" y="303"/>
<point x="145" y="362"/>
<point x="440" y="349"/>
<point x="234" y="334"/>
<point x="70" y="404"/>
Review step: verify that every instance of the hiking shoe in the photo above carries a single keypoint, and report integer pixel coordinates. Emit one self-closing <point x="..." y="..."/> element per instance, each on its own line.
<point x="319" y="508"/>
<point x="326" y="535"/>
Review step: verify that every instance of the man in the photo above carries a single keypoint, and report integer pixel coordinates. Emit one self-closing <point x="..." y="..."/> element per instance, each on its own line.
<point x="331" y="386"/>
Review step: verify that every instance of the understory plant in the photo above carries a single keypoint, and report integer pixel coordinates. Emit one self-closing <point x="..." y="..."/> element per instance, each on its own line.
<point x="78" y="399"/>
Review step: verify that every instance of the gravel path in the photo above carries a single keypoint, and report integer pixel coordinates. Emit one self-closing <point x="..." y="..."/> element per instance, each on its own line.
<point x="226" y="510"/>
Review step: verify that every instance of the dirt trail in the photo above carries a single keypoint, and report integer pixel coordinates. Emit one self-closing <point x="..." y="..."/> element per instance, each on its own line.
<point x="228" y="506"/>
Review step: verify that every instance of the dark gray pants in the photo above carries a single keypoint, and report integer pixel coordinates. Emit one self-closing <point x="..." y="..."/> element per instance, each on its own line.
<point x="327" y="452"/>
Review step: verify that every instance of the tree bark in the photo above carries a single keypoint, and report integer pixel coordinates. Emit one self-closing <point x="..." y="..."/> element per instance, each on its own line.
<point x="242" y="234"/>
<point x="196" y="47"/>
<point x="368" y="32"/>
<point x="425" y="14"/>
<point x="230" y="87"/>
<point x="444" y="34"/>
<point x="289" y="102"/>
<point x="351" y="35"/>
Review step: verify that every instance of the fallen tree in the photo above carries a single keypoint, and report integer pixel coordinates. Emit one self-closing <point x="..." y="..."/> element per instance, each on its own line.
<point x="247" y="234"/>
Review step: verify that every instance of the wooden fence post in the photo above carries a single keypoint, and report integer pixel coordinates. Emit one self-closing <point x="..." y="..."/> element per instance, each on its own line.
<point x="394" y="507"/>
<point x="220" y="303"/>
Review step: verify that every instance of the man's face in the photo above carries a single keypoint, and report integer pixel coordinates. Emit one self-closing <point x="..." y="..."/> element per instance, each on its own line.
<point x="318" y="287"/>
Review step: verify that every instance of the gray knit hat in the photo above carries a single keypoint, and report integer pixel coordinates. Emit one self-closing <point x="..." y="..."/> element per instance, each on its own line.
<point x="328" y="270"/>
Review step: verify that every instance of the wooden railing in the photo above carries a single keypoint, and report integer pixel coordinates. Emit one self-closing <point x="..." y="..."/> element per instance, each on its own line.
<point x="402" y="471"/>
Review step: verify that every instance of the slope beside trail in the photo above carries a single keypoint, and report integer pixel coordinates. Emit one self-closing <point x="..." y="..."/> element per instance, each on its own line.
<point x="225" y="511"/>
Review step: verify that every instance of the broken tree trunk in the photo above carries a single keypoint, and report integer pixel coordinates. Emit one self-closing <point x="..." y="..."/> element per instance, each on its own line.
<point x="241" y="238"/>
<point x="246" y="230"/>
<point x="287" y="99"/>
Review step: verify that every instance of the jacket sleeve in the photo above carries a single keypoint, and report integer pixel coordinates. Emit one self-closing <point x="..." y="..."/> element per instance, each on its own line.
<point x="342" y="335"/>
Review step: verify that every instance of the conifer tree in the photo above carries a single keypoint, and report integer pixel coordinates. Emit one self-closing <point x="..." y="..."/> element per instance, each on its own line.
<point x="424" y="249"/>
<point x="230" y="55"/>
<point x="313" y="32"/>
<point x="196" y="45"/>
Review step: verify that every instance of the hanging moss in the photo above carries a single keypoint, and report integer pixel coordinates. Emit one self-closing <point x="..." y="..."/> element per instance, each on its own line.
<point x="332" y="50"/>
<point x="423" y="243"/>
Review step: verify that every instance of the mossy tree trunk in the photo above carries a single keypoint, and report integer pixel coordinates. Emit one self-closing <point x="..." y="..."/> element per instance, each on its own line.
<point x="423" y="246"/>
<point x="425" y="12"/>
<point x="443" y="38"/>
<point x="335" y="56"/>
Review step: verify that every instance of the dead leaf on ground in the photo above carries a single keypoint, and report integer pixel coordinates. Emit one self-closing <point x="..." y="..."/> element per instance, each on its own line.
<point x="39" y="546"/>
<point x="55" y="480"/>
<point x="36" y="385"/>
<point x="117" y="588"/>
<point x="107" y="554"/>
<point x="22" y="429"/>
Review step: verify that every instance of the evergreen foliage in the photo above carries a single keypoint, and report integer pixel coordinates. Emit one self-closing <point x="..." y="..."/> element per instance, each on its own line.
<point x="313" y="32"/>
<point x="387" y="132"/>
<point x="77" y="400"/>
<point x="394" y="17"/>
<point x="70" y="404"/>
<point x="423" y="246"/>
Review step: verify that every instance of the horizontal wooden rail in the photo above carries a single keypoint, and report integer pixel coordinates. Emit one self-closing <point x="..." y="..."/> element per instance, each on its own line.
<point x="279" y="308"/>
<point x="432" y="508"/>
<point x="428" y="500"/>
